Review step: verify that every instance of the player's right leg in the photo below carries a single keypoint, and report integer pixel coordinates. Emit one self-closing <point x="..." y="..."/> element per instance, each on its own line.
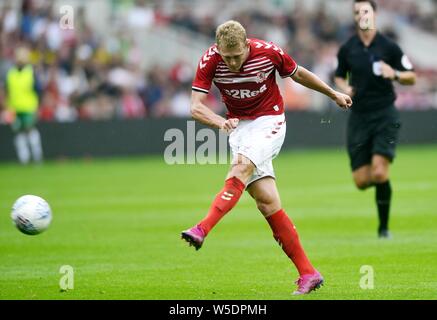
<point x="20" y="140"/>
<point x="266" y="195"/>
<point x="22" y="147"/>
<point x="240" y="172"/>
<point x="362" y="177"/>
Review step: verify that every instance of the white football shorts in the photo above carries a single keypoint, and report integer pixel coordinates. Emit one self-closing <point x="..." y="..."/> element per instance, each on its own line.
<point x="259" y="140"/>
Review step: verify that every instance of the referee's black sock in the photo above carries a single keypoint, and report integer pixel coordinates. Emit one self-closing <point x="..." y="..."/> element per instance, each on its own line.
<point x="383" y="199"/>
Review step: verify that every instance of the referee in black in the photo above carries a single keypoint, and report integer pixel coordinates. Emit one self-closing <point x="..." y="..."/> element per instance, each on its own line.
<point x="368" y="64"/>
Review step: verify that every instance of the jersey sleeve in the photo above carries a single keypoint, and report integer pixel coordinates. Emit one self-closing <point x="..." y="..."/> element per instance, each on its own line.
<point x="342" y="65"/>
<point x="284" y="63"/>
<point x="400" y="61"/>
<point x="205" y="71"/>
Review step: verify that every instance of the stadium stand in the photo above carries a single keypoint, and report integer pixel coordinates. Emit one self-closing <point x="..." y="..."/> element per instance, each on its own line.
<point x="96" y="73"/>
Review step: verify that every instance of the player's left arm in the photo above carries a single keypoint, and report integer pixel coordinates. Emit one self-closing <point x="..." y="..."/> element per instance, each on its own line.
<point x="311" y="81"/>
<point x="399" y="68"/>
<point x="287" y="67"/>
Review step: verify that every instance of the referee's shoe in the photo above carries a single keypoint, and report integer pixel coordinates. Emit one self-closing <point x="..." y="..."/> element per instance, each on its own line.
<point x="384" y="234"/>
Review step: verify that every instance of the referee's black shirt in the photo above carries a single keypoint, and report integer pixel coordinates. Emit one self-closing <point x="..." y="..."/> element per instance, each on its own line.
<point x="361" y="65"/>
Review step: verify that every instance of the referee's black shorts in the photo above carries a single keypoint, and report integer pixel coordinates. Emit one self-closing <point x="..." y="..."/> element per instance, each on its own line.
<point x="372" y="133"/>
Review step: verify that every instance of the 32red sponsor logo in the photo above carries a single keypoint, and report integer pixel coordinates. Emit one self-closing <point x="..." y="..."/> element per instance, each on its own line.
<point x="245" y="93"/>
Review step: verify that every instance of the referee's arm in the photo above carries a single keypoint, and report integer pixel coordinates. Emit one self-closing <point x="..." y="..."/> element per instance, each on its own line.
<point x="406" y="78"/>
<point x="341" y="73"/>
<point x="399" y="68"/>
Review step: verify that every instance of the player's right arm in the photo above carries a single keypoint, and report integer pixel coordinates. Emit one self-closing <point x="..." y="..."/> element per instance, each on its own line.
<point x="203" y="114"/>
<point x="201" y="85"/>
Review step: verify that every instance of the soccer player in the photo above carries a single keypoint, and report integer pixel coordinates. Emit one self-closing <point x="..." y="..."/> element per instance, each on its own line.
<point x="244" y="70"/>
<point x="368" y="64"/>
<point x="22" y="95"/>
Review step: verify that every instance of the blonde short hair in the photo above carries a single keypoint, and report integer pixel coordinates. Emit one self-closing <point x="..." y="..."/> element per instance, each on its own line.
<point x="230" y="34"/>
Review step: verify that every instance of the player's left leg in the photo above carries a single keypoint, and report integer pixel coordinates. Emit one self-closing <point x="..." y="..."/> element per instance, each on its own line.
<point x="380" y="177"/>
<point x="33" y="136"/>
<point x="266" y="195"/>
<point x="35" y="144"/>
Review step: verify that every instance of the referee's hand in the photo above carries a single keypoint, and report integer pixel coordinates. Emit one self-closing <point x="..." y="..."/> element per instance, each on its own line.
<point x="342" y="100"/>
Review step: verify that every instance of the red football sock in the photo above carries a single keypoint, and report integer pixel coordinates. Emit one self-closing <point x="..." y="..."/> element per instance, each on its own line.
<point x="225" y="200"/>
<point x="285" y="234"/>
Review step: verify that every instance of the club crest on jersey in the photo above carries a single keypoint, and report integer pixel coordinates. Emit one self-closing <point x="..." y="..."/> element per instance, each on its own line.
<point x="261" y="77"/>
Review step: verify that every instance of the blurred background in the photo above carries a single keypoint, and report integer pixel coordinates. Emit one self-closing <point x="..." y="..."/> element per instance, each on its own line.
<point x="135" y="59"/>
<point x="116" y="76"/>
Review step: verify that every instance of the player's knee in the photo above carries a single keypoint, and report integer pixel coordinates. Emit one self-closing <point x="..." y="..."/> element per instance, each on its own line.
<point x="268" y="203"/>
<point x="362" y="184"/>
<point x="379" y="175"/>
<point x="267" y="208"/>
<point x="242" y="170"/>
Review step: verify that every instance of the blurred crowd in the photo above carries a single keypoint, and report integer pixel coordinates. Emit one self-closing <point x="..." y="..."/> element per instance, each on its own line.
<point x="81" y="76"/>
<point x="313" y="39"/>
<point x="411" y="12"/>
<point x="92" y="76"/>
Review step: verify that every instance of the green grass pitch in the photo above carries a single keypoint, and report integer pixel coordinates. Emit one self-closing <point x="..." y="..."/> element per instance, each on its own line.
<point x="118" y="223"/>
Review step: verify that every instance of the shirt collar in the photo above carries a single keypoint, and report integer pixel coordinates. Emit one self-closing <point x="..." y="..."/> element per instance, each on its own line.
<point x="374" y="40"/>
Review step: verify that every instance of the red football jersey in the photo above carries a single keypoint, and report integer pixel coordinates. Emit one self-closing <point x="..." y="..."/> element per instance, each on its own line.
<point x="252" y="92"/>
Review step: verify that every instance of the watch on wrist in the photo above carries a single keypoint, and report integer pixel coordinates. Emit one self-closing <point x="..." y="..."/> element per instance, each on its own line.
<point x="397" y="75"/>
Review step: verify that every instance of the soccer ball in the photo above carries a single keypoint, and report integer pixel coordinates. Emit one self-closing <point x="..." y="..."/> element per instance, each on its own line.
<point x="31" y="214"/>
